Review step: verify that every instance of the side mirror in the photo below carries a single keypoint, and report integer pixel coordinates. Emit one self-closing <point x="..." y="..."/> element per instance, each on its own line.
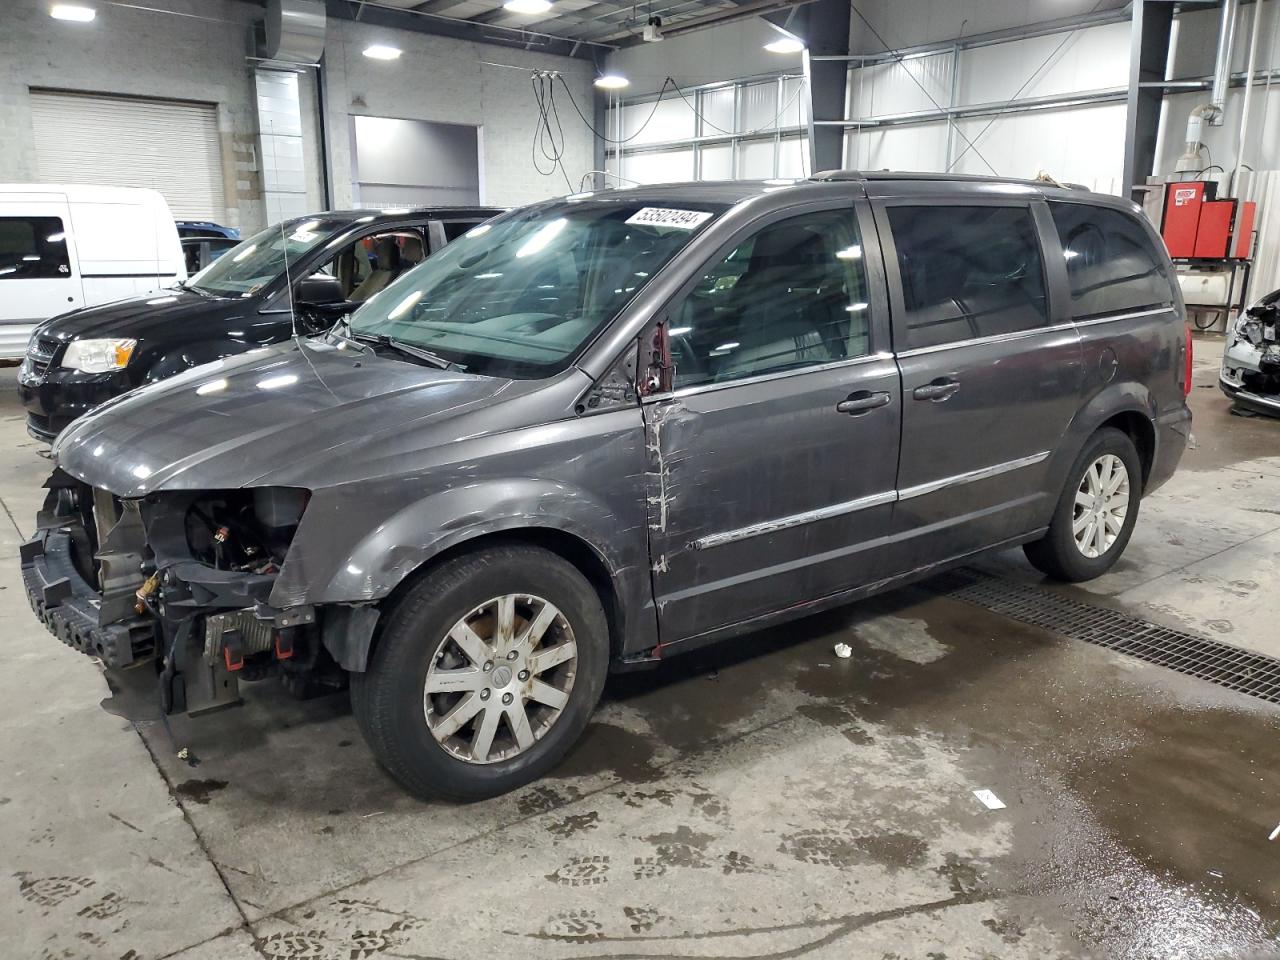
<point x="319" y="291"/>
<point x="658" y="372"/>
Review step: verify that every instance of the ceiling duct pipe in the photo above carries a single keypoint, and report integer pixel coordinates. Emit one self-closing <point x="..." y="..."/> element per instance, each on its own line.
<point x="294" y="31"/>
<point x="1248" y="97"/>
<point x="1213" y="111"/>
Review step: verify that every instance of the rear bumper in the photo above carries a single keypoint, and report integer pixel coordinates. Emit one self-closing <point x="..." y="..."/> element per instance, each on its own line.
<point x="69" y="606"/>
<point x="1173" y="434"/>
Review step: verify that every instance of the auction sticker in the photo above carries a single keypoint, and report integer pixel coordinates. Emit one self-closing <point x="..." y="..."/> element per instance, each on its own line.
<point x="666" y="217"/>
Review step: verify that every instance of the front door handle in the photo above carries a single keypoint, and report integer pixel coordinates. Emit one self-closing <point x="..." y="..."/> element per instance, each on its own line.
<point x="936" y="390"/>
<point x="863" y="401"/>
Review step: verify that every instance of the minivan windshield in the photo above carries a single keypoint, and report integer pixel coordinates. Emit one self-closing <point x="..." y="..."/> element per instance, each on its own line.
<point x="245" y="269"/>
<point x="521" y="295"/>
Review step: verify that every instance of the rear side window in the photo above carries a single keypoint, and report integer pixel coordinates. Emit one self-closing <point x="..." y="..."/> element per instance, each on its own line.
<point x="1111" y="264"/>
<point x="968" y="272"/>
<point x="33" y="248"/>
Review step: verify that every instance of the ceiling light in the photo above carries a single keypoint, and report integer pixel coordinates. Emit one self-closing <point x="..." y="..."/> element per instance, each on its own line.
<point x="380" y="51"/>
<point x="612" y="81"/>
<point x="785" y="45"/>
<point x="72" y="11"/>
<point x="527" y="7"/>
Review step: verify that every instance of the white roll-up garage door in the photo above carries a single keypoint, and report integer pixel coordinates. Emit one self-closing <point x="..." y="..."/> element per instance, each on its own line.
<point x="132" y="142"/>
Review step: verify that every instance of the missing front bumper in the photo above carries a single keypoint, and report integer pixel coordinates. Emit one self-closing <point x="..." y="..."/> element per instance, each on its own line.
<point x="71" y="608"/>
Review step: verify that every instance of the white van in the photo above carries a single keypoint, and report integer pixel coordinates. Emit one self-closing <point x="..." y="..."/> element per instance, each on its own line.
<point x="65" y="247"/>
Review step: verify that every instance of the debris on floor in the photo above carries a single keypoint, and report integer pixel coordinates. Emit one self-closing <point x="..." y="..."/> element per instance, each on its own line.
<point x="843" y="651"/>
<point x="989" y="799"/>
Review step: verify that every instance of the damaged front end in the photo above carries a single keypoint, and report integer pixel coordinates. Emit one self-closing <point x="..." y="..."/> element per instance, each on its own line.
<point x="1251" y="362"/>
<point x="179" y="581"/>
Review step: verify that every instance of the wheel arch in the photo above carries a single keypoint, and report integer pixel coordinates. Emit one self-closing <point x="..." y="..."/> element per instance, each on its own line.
<point x="584" y="556"/>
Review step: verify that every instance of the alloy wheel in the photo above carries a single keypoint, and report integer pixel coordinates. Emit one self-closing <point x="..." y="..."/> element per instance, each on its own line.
<point x="501" y="678"/>
<point x="1101" y="505"/>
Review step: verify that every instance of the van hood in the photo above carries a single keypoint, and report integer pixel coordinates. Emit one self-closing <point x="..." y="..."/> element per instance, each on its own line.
<point x="235" y="422"/>
<point x="137" y="317"/>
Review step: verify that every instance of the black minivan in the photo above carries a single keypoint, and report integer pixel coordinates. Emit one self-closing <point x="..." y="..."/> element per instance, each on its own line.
<point x="597" y="432"/>
<point x="336" y="260"/>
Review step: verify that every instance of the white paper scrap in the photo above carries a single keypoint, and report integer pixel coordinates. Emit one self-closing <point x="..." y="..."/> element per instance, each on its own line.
<point x="1275" y="833"/>
<point x="667" y="217"/>
<point x="989" y="799"/>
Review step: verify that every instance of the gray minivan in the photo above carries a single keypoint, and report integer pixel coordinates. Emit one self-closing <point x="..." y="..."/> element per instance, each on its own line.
<point x="599" y="431"/>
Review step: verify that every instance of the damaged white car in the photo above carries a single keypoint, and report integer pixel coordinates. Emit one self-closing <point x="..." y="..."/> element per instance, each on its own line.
<point x="1251" y="364"/>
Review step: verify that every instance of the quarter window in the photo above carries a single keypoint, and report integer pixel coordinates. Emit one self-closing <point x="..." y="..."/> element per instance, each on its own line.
<point x="1111" y="263"/>
<point x="33" y="248"/>
<point x="968" y="272"/>
<point x="793" y="295"/>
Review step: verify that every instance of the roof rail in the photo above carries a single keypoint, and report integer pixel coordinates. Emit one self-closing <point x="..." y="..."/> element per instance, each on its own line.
<point x="837" y="176"/>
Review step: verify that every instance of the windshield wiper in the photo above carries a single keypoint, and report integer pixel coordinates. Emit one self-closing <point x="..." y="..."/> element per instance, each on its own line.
<point x="409" y="349"/>
<point x="334" y="331"/>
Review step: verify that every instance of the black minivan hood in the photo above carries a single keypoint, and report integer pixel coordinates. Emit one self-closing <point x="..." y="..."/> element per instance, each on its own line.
<point x="236" y="421"/>
<point x="138" y="317"/>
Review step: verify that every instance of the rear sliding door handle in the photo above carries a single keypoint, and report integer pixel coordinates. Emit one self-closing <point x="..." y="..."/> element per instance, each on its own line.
<point x="938" y="390"/>
<point x="863" y="401"/>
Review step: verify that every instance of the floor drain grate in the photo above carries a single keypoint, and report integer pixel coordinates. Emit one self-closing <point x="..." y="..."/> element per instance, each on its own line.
<point x="1220" y="663"/>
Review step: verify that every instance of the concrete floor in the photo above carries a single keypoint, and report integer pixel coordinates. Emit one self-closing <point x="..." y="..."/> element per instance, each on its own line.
<point x="764" y="800"/>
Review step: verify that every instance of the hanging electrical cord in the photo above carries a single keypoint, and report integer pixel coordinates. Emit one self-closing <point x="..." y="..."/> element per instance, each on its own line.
<point x="923" y="89"/>
<point x="547" y="141"/>
<point x="581" y="116"/>
<point x="1017" y="93"/>
<point x="772" y="124"/>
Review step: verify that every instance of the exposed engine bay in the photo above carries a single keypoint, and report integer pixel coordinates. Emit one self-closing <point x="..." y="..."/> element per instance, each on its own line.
<point x="1251" y="363"/>
<point x="179" y="581"/>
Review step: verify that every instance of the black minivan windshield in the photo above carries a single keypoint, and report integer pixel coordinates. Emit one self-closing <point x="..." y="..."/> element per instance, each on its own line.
<point x="245" y="269"/>
<point x="521" y="295"/>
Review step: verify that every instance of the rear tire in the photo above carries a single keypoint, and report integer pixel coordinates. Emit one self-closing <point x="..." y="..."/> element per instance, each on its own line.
<point x="1096" y="512"/>
<point x="513" y="639"/>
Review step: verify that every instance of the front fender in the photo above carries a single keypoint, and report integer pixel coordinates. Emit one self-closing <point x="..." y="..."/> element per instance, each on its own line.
<point x="320" y="568"/>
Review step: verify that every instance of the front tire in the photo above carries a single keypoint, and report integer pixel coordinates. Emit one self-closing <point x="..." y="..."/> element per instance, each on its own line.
<point x="485" y="674"/>
<point x="1096" y="512"/>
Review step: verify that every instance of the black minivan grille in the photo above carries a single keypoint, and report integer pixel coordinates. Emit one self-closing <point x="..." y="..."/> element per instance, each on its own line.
<point x="1251" y="673"/>
<point x="41" y="352"/>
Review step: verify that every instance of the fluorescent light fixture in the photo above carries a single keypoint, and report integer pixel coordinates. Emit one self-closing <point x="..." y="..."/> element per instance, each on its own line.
<point x="785" y="45"/>
<point x="856" y="307"/>
<point x="853" y="252"/>
<point x="527" y="7"/>
<point x="612" y="81"/>
<point x="538" y="242"/>
<point x="382" y="51"/>
<point x="679" y="331"/>
<point x="73" y="12"/>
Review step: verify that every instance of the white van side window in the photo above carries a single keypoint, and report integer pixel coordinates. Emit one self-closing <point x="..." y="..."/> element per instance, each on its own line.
<point x="33" y="248"/>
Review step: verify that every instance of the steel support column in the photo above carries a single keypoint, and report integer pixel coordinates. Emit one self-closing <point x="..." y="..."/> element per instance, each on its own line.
<point x="1148" y="56"/>
<point x="824" y="27"/>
